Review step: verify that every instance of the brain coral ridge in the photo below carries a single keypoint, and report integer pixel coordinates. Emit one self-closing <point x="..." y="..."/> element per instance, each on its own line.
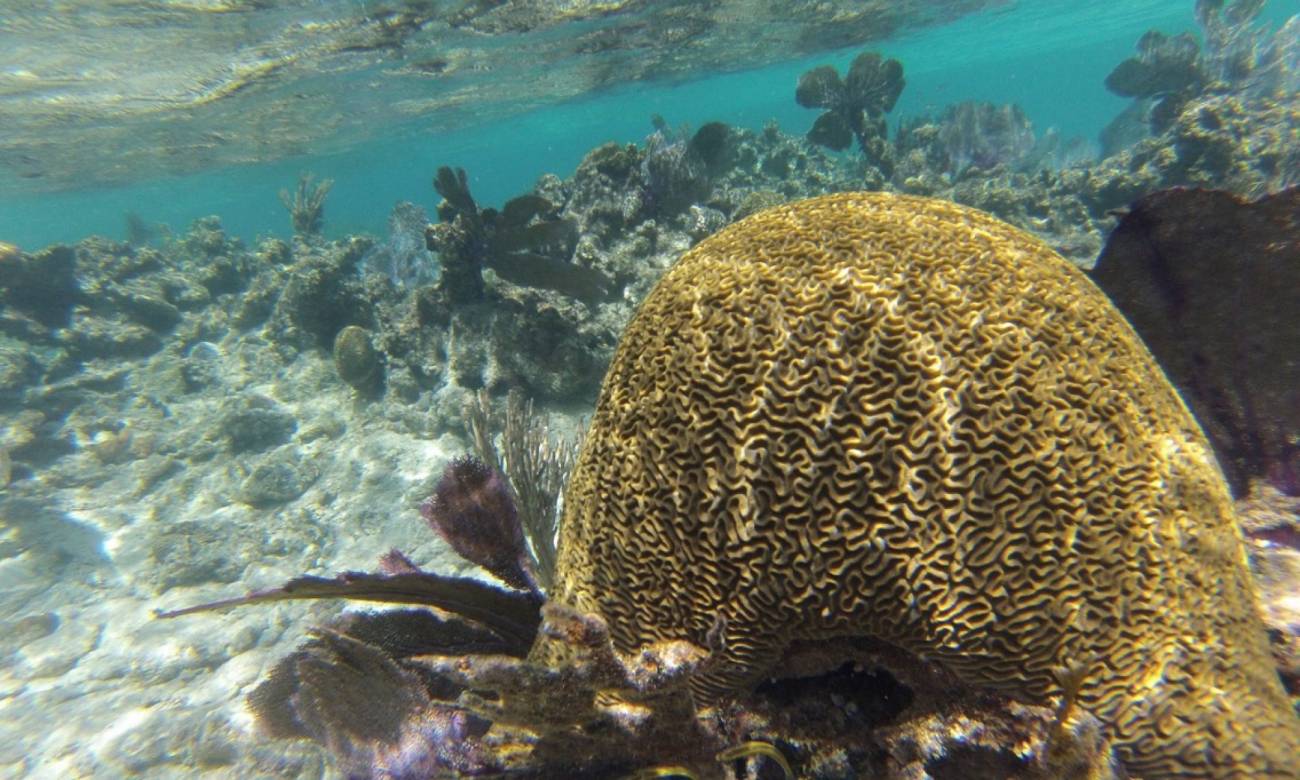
<point x="869" y="414"/>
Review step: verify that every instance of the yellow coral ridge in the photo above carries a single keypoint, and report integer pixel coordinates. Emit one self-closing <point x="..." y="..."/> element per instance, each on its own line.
<point x="869" y="414"/>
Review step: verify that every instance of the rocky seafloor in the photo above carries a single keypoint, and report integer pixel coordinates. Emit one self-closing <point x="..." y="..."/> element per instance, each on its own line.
<point x="181" y="421"/>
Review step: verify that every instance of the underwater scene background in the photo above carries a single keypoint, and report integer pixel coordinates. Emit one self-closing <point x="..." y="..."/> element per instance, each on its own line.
<point x="295" y="289"/>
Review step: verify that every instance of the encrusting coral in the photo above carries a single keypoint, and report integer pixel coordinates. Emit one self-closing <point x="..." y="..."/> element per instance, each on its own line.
<point x="867" y="414"/>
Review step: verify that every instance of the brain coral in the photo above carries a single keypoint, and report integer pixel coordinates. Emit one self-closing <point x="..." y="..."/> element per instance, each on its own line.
<point x="868" y="414"/>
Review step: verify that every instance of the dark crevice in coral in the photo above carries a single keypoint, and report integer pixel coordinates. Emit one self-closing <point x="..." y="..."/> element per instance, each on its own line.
<point x="872" y="696"/>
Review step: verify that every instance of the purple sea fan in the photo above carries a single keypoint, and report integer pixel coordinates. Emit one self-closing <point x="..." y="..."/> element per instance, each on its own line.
<point x="982" y="136"/>
<point x="473" y="509"/>
<point x="403" y="257"/>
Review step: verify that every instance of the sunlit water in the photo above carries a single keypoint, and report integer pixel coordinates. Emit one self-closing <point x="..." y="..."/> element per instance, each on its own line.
<point x="1049" y="56"/>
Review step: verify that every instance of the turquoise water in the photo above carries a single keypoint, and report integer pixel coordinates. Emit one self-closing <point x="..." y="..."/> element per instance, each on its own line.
<point x="1049" y="56"/>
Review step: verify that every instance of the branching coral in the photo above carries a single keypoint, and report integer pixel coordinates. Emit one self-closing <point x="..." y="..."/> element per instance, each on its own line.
<point x="878" y="481"/>
<point x="307" y="204"/>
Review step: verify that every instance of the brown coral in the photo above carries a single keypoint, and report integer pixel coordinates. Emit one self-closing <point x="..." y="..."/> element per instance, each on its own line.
<point x="867" y="414"/>
<point x="1212" y="284"/>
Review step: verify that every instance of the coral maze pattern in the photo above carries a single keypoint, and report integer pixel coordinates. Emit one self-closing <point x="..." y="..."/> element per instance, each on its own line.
<point x="867" y="414"/>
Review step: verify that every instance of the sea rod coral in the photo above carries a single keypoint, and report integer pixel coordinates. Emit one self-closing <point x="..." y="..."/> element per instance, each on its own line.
<point x="867" y="414"/>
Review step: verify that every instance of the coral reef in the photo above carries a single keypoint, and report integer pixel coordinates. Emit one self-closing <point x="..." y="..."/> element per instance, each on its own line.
<point x="172" y="425"/>
<point x="868" y="414"/>
<point x="1212" y="285"/>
